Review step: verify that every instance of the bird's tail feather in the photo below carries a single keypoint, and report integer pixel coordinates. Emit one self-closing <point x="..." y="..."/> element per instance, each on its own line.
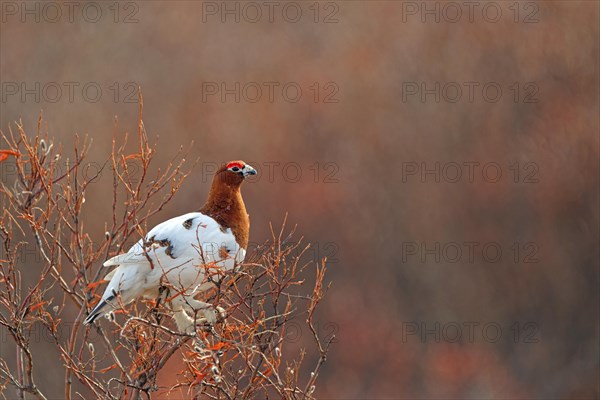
<point x="98" y="311"/>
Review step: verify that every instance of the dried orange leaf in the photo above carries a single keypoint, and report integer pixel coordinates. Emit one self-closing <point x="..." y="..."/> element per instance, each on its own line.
<point x="218" y="346"/>
<point x="108" y="368"/>
<point x="94" y="285"/>
<point x="138" y="155"/>
<point x="38" y="305"/>
<point x="5" y="153"/>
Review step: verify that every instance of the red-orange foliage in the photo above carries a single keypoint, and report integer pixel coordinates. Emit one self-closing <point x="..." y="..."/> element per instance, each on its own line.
<point x="242" y="357"/>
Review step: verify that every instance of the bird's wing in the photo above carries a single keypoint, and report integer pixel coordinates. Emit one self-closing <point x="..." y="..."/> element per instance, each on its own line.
<point x="192" y="237"/>
<point x="173" y="249"/>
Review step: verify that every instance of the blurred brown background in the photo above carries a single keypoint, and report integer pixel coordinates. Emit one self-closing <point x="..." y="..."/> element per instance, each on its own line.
<point x="363" y="125"/>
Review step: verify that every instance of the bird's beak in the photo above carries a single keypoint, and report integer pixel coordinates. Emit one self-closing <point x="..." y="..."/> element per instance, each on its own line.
<point x="248" y="170"/>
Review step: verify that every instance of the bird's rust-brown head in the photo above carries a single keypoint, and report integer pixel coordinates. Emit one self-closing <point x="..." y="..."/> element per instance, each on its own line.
<point x="225" y="203"/>
<point x="233" y="173"/>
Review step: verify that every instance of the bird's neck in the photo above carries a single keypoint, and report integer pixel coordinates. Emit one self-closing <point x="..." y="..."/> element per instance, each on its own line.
<point x="226" y="206"/>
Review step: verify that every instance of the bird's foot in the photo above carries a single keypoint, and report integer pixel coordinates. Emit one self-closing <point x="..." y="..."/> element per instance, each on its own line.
<point x="185" y="324"/>
<point x="210" y="316"/>
<point x="205" y="317"/>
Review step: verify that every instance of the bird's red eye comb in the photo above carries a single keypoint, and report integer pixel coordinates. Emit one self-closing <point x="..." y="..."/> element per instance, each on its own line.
<point x="235" y="164"/>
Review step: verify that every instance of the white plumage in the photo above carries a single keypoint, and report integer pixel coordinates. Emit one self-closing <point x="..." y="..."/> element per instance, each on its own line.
<point x="173" y="254"/>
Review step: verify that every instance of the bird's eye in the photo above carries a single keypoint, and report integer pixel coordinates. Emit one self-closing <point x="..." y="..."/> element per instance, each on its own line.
<point x="235" y="169"/>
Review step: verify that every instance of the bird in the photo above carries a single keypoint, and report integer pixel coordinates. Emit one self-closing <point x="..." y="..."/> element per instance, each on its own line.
<point x="177" y="253"/>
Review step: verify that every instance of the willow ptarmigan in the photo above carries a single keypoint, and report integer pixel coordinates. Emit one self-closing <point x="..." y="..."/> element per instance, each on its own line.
<point x="174" y="253"/>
